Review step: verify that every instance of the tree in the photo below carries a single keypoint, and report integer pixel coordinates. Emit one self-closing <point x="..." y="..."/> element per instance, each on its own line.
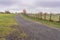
<point x="2" y="12"/>
<point x="7" y="12"/>
<point x="24" y="11"/>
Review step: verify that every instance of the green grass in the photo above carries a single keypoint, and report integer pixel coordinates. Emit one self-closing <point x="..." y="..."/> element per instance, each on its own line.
<point x="54" y="24"/>
<point x="6" y="23"/>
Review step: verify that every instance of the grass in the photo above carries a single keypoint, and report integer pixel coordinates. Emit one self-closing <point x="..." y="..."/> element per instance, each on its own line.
<point x="54" y="24"/>
<point x="6" y="21"/>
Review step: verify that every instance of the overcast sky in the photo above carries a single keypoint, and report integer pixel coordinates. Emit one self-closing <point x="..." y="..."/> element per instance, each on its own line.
<point x="30" y="5"/>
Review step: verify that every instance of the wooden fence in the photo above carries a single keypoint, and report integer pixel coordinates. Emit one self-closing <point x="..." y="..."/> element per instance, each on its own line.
<point x="45" y="16"/>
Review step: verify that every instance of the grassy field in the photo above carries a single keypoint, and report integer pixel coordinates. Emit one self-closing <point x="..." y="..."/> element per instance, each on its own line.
<point x="37" y="18"/>
<point x="6" y="23"/>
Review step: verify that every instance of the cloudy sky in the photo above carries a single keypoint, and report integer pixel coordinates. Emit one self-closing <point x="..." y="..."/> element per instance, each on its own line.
<point x="30" y="5"/>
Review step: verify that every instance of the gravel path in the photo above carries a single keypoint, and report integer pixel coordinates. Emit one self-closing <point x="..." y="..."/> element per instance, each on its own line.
<point x="36" y="31"/>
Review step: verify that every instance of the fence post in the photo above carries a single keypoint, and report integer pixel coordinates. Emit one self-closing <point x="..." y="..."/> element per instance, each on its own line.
<point x="35" y="16"/>
<point x="59" y="17"/>
<point x="38" y="16"/>
<point x="41" y="15"/>
<point x="50" y="16"/>
<point x="45" y="16"/>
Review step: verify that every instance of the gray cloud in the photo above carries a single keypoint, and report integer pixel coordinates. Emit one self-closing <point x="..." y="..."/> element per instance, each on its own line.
<point x="30" y="5"/>
<point x="48" y="4"/>
<point x="8" y="2"/>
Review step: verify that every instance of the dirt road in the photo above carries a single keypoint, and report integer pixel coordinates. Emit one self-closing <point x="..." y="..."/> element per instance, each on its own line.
<point x="36" y="31"/>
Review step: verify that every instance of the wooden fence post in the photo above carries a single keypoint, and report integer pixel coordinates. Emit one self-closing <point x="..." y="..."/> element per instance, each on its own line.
<point x="50" y="16"/>
<point x="38" y="15"/>
<point x="41" y="15"/>
<point x="59" y="17"/>
<point x="45" y="16"/>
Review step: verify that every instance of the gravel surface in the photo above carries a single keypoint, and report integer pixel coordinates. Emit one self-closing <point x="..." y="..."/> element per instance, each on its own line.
<point x="36" y="31"/>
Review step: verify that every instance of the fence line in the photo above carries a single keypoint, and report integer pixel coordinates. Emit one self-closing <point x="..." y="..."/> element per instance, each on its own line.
<point x="45" y="16"/>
